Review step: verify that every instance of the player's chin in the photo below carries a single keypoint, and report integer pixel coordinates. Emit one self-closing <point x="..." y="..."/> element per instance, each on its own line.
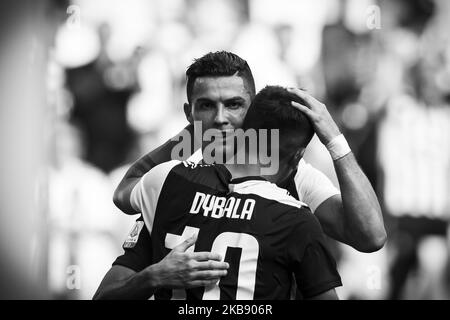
<point x="218" y="152"/>
<point x="226" y="154"/>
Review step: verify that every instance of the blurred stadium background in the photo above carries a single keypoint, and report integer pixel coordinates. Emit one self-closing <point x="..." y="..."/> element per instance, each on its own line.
<point x="86" y="87"/>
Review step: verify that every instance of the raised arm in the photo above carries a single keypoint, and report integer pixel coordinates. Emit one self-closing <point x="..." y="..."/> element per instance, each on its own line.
<point x="355" y="217"/>
<point x="162" y="154"/>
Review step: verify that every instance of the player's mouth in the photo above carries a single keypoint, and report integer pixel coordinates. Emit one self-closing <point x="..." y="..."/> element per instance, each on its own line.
<point x="223" y="133"/>
<point x="222" y="138"/>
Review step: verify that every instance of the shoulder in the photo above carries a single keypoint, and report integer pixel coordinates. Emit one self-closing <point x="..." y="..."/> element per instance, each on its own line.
<point x="306" y="227"/>
<point x="196" y="157"/>
<point x="308" y="176"/>
<point x="157" y="175"/>
<point x="212" y="176"/>
<point x="313" y="186"/>
<point x="304" y="170"/>
<point x="270" y="192"/>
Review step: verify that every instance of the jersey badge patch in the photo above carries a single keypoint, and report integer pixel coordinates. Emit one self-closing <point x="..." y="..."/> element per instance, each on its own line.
<point x="133" y="236"/>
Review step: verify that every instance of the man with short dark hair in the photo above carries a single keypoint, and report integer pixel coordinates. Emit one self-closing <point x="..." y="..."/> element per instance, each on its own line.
<point x="263" y="233"/>
<point x="220" y="90"/>
<point x="218" y="64"/>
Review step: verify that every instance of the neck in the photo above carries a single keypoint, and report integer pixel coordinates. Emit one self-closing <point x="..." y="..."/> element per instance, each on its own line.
<point x="243" y="170"/>
<point x="250" y="169"/>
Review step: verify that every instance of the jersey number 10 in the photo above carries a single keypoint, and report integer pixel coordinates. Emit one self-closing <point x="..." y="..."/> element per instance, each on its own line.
<point x="247" y="266"/>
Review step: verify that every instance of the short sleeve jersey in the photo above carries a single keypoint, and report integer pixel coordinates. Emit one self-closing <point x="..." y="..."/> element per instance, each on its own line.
<point x="261" y="231"/>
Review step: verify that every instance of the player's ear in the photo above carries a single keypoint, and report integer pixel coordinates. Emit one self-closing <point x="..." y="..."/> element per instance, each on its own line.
<point x="298" y="156"/>
<point x="188" y="112"/>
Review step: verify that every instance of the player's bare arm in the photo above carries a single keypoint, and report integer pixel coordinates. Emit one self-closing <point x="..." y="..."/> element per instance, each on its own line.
<point x="355" y="217"/>
<point x="179" y="269"/>
<point x="124" y="283"/>
<point x="122" y="193"/>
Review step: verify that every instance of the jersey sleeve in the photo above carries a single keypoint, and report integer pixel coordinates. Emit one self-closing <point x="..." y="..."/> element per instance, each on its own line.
<point x="145" y="195"/>
<point x="313" y="265"/>
<point x="137" y="256"/>
<point x="313" y="186"/>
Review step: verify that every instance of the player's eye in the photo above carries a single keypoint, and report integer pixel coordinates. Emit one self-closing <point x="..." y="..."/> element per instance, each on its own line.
<point x="234" y="105"/>
<point x="206" y="105"/>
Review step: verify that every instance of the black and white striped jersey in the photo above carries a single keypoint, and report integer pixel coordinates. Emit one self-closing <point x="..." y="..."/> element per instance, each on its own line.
<point x="258" y="228"/>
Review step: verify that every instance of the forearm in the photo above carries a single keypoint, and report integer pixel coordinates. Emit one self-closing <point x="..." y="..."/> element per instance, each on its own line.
<point x="357" y="219"/>
<point x="122" y="194"/>
<point x="160" y="155"/>
<point x="138" y="286"/>
<point x="362" y="219"/>
<point x="121" y="197"/>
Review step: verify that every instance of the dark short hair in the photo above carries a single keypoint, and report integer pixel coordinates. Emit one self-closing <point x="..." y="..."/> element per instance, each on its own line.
<point x="271" y="109"/>
<point x="219" y="64"/>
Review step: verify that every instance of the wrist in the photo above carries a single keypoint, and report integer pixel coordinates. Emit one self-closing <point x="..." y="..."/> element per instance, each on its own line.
<point x="151" y="276"/>
<point x="329" y="135"/>
<point x="338" y="147"/>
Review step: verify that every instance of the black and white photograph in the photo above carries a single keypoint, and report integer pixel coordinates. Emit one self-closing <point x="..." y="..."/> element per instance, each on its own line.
<point x="230" y="150"/>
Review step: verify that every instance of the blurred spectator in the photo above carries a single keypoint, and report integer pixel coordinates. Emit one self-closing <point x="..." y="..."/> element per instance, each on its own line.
<point x="101" y="90"/>
<point x="414" y="155"/>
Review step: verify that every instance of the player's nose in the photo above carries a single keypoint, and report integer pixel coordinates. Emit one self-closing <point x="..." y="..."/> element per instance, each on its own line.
<point x="221" y="120"/>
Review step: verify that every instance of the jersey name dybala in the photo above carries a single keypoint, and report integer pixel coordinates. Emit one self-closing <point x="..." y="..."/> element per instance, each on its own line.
<point x="250" y="222"/>
<point x="218" y="207"/>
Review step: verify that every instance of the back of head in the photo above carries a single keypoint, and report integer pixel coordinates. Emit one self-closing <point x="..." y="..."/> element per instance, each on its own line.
<point x="219" y="64"/>
<point x="271" y="109"/>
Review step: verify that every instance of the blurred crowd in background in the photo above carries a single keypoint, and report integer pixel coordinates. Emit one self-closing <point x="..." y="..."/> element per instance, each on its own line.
<point x="115" y="84"/>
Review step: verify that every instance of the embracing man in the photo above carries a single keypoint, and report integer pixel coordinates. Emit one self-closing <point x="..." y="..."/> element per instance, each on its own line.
<point x="234" y="209"/>
<point x="220" y="89"/>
